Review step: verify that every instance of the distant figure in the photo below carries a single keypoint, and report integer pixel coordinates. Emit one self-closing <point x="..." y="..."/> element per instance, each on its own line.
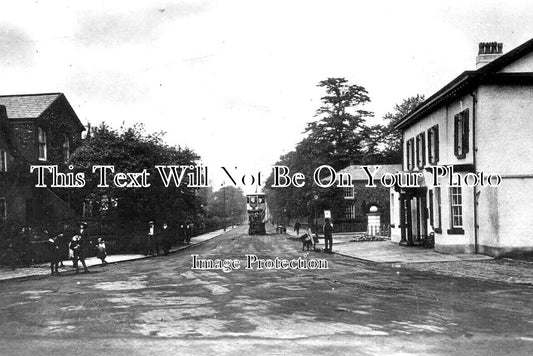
<point x="151" y="244"/>
<point x="297" y="227"/>
<point x="188" y="233"/>
<point x="53" y="253"/>
<point x="328" y="236"/>
<point x="102" y="253"/>
<point x="166" y="238"/>
<point x="76" y="245"/>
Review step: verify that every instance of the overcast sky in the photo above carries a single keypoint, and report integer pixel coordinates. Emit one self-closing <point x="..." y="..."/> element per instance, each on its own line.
<point x="236" y="80"/>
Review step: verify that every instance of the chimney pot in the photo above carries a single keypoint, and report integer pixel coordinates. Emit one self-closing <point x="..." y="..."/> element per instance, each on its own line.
<point x="488" y="51"/>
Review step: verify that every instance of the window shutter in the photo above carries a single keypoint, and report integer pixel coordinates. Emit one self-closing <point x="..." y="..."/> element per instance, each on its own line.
<point x="465" y="132"/>
<point x="455" y="134"/>
<point x="436" y="143"/>
<point x="412" y="153"/>
<point x="423" y="146"/>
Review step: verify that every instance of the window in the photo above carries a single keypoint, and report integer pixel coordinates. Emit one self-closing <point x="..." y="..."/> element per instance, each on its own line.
<point x="349" y="212"/>
<point x="3" y="161"/>
<point x="420" y="150"/>
<point x="456" y="201"/>
<point x="461" y="134"/>
<point x="433" y="145"/>
<point x="348" y="192"/>
<point x="66" y="147"/>
<point x="3" y="208"/>
<point x="410" y="152"/>
<point x="42" y="144"/>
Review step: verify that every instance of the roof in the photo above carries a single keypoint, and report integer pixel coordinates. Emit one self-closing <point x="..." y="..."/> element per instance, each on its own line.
<point x="469" y="80"/>
<point x="27" y="106"/>
<point x="358" y="174"/>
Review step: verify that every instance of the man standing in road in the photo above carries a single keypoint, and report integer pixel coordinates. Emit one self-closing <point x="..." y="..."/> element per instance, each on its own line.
<point x="297" y="227"/>
<point x="328" y="236"/>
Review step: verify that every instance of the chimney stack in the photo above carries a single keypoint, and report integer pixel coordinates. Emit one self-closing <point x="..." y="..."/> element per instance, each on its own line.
<point x="488" y="51"/>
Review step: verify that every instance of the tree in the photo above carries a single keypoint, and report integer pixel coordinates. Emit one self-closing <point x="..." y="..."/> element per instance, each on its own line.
<point x="337" y="137"/>
<point x="392" y="138"/>
<point x="228" y="203"/>
<point x="132" y="150"/>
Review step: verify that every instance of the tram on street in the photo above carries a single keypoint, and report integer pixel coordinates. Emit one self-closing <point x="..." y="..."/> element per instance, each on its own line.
<point x="257" y="210"/>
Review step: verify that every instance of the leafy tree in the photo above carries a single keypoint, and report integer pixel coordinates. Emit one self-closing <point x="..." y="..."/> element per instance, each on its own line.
<point x="228" y="203"/>
<point x="392" y="138"/>
<point x="133" y="150"/>
<point x="337" y="134"/>
<point x="336" y="139"/>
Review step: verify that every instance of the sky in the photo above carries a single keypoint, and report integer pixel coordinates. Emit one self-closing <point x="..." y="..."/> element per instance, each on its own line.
<point x="236" y="80"/>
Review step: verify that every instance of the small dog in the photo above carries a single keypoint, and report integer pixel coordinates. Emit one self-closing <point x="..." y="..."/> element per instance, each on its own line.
<point x="307" y="241"/>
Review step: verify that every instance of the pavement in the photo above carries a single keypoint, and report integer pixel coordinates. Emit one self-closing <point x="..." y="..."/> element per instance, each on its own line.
<point x="476" y="266"/>
<point x="166" y="305"/>
<point x="43" y="269"/>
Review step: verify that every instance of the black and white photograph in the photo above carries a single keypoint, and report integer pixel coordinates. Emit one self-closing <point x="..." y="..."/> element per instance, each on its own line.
<point x="199" y="177"/>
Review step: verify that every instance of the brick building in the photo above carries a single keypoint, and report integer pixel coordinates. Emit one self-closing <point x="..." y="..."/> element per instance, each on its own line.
<point x="34" y="129"/>
<point x="359" y="198"/>
<point x="479" y="122"/>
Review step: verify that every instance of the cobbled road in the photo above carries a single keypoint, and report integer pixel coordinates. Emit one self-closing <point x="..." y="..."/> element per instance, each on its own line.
<point x="163" y="306"/>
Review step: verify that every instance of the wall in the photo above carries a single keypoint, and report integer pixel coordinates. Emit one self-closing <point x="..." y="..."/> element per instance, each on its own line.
<point x="505" y="147"/>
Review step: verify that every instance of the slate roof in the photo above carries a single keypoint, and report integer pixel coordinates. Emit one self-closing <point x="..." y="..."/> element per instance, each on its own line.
<point x="27" y="106"/>
<point x="358" y="174"/>
<point x="468" y="80"/>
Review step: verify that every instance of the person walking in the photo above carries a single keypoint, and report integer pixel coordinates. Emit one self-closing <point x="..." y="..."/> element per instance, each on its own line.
<point x="328" y="236"/>
<point x="101" y="250"/>
<point x="297" y="227"/>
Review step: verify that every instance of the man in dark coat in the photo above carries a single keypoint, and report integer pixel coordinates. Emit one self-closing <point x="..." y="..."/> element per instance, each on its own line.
<point x="166" y="238"/>
<point x="53" y="253"/>
<point x="297" y="227"/>
<point x="152" y="243"/>
<point x="328" y="236"/>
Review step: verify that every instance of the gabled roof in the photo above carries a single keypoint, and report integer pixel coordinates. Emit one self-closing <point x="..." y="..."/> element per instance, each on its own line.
<point x="27" y="106"/>
<point x="358" y="174"/>
<point x="469" y="80"/>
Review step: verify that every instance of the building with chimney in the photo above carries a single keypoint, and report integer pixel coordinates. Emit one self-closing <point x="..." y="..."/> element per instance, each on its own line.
<point x="479" y="122"/>
<point x="34" y="129"/>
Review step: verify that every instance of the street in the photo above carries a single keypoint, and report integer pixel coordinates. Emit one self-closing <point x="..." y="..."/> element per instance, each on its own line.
<point x="160" y="305"/>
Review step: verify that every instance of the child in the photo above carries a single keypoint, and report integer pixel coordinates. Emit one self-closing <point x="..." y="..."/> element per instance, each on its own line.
<point x="101" y="250"/>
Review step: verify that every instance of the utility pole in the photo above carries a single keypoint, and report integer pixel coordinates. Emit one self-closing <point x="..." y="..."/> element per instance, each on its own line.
<point x="224" y="206"/>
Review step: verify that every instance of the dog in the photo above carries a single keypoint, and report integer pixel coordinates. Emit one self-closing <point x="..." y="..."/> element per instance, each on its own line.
<point x="307" y="241"/>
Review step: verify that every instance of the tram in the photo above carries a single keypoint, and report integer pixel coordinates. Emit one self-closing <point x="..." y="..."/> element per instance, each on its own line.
<point x="257" y="210"/>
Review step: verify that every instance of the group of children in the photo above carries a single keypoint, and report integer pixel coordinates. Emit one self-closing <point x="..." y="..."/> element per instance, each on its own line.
<point x="77" y="248"/>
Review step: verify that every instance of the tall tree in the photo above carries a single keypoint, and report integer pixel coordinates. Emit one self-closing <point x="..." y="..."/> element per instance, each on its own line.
<point x="336" y="139"/>
<point x="337" y="134"/>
